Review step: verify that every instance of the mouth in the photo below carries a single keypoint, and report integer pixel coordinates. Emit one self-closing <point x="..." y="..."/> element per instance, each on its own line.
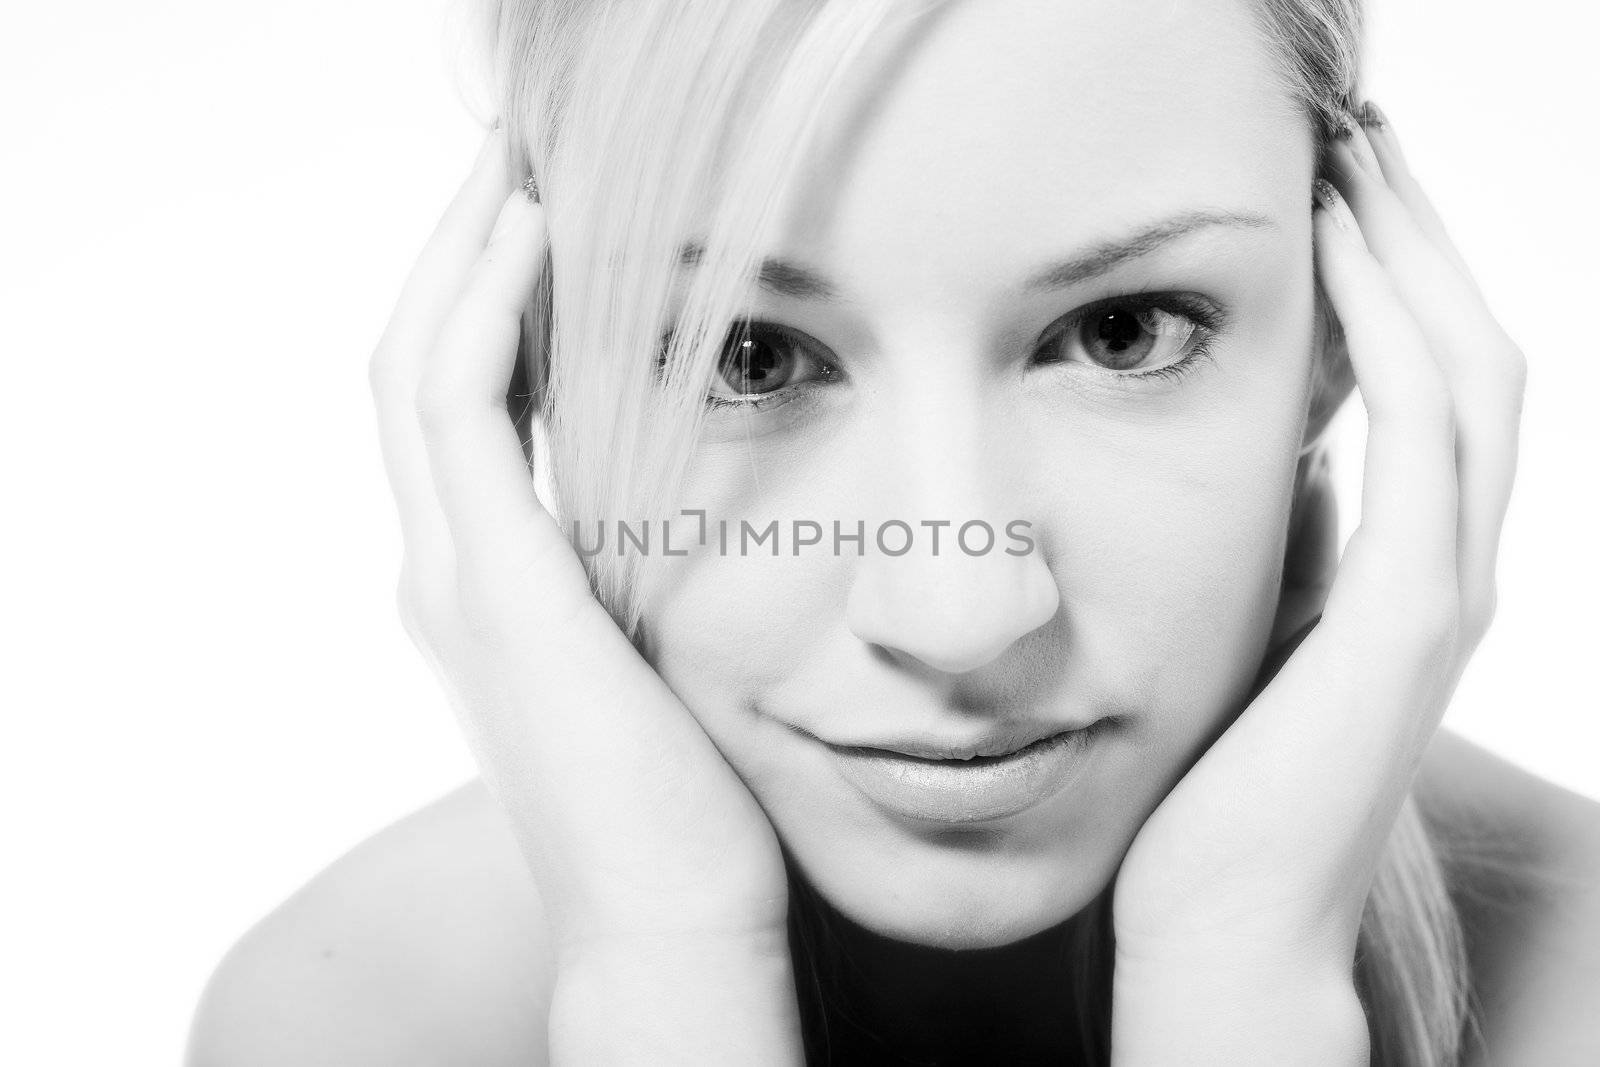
<point x="949" y="784"/>
<point x="992" y="748"/>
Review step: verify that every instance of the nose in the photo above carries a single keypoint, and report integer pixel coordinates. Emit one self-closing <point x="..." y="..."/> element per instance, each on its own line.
<point x="954" y="614"/>
<point x="949" y="578"/>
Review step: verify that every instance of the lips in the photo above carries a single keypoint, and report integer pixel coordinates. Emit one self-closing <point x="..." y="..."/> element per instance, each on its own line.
<point x="996" y="743"/>
<point x="954" y="786"/>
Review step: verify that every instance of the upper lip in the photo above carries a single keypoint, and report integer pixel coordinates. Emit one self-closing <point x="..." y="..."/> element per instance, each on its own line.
<point x="994" y="743"/>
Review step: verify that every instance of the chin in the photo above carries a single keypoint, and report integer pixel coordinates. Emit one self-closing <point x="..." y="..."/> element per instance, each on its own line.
<point x="970" y="913"/>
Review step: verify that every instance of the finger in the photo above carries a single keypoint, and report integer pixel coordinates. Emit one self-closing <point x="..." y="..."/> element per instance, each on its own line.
<point x="1340" y="729"/>
<point x="1385" y="149"/>
<point x="1406" y="537"/>
<point x="396" y="363"/>
<point x="499" y="528"/>
<point x="437" y="275"/>
<point x="1484" y="370"/>
<point x="1358" y="699"/>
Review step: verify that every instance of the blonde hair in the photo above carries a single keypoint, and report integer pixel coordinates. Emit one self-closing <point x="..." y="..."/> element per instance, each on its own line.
<point x="645" y="122"/>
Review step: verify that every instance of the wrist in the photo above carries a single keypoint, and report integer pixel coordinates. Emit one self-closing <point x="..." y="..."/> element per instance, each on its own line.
<point x="676" y="998"/>
<point x="1215" y="1007"/>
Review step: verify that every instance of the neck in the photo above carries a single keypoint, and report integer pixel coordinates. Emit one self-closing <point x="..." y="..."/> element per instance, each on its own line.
<point x="919" y="1001"/>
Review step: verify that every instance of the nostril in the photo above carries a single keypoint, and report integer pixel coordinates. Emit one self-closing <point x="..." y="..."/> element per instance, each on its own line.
<point x="957" y="657"/>
<point x="954" y="616"/>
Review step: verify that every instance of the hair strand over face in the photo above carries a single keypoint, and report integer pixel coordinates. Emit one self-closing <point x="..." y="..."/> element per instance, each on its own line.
<point x="648" y="122"/>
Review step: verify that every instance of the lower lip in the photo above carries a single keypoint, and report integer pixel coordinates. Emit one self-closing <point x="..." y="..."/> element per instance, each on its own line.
<point x="967" y="791"/>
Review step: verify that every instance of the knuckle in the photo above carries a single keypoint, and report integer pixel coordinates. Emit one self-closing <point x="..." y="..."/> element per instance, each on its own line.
<point x="384" y="379"/>
<point x="409" y="597"/>
<point x="1501" y="358"/>
<point x="1412" y="598"/>
<point x="1516" y="360"/>
<point x="492" y="607"/>
<point x="405" y="596"/>
<point x="416" y="624"/>
<point x="421" y="606"/>
<point x="1434" y="626"/>
<point x="437" y="410"/>
<point x="1514" y="366"/>
<point x="1478" y="616"/>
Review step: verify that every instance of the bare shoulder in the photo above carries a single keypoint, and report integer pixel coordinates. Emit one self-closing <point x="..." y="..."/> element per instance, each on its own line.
<point x="423" y="946"/>
<point x="1523" y="858"/>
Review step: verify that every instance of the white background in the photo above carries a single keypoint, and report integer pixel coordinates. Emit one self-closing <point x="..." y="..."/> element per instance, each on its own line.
<point x="206" y="212"/>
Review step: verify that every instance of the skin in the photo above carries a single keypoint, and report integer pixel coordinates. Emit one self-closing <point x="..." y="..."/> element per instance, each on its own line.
<point x="1160" y="506"/>
<point x="1162" y="510"/>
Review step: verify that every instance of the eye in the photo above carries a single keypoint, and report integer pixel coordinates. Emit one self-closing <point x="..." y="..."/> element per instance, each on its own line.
<point x="1146" y="334"/>
<point x="760" y="359"/>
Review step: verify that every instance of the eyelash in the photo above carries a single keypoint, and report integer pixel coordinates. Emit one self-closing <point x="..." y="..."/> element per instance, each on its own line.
<point x="1207" y="317"/>
<point x="755" y="402"/>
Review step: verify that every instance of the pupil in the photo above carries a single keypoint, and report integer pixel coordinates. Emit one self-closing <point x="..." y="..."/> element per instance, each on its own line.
<point x="753" y="365"/>
<point x="1118" y="330"/>
<point x="759" y="360"/>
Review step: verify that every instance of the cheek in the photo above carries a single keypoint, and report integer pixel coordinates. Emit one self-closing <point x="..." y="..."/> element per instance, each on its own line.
<point x="728" y="624"/>
<point x="1171" y="579"/>
<point x="1168" y="545"/>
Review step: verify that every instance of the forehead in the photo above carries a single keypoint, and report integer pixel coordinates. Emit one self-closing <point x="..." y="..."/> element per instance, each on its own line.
<point x="1005" y="128"/>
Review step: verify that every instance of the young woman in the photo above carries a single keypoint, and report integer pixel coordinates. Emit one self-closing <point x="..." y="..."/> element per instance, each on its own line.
<point x="1129" y="767"/>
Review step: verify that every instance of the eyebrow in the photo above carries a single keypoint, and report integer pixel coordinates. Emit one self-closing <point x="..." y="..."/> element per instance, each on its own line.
<point x="782" y="277"/>
<point x="1108" y="255"/>
<point x="787" y="278"/>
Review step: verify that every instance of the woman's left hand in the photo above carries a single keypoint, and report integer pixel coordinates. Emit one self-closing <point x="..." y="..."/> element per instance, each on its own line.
<point x="1267" y="848"/>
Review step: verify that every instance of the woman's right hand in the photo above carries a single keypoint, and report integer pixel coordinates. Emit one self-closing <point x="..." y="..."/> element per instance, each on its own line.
<point x="639" y="833"/>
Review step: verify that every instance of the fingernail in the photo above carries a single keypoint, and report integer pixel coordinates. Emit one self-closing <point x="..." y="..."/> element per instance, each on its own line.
<point x="530" y="189"/>
<point x="1373" y="118"/>
<point x="1344" y="127"/>
<point x="1331" y="201"/>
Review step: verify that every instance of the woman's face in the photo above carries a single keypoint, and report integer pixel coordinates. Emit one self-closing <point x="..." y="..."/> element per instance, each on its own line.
<point x="1054" y="268"/>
